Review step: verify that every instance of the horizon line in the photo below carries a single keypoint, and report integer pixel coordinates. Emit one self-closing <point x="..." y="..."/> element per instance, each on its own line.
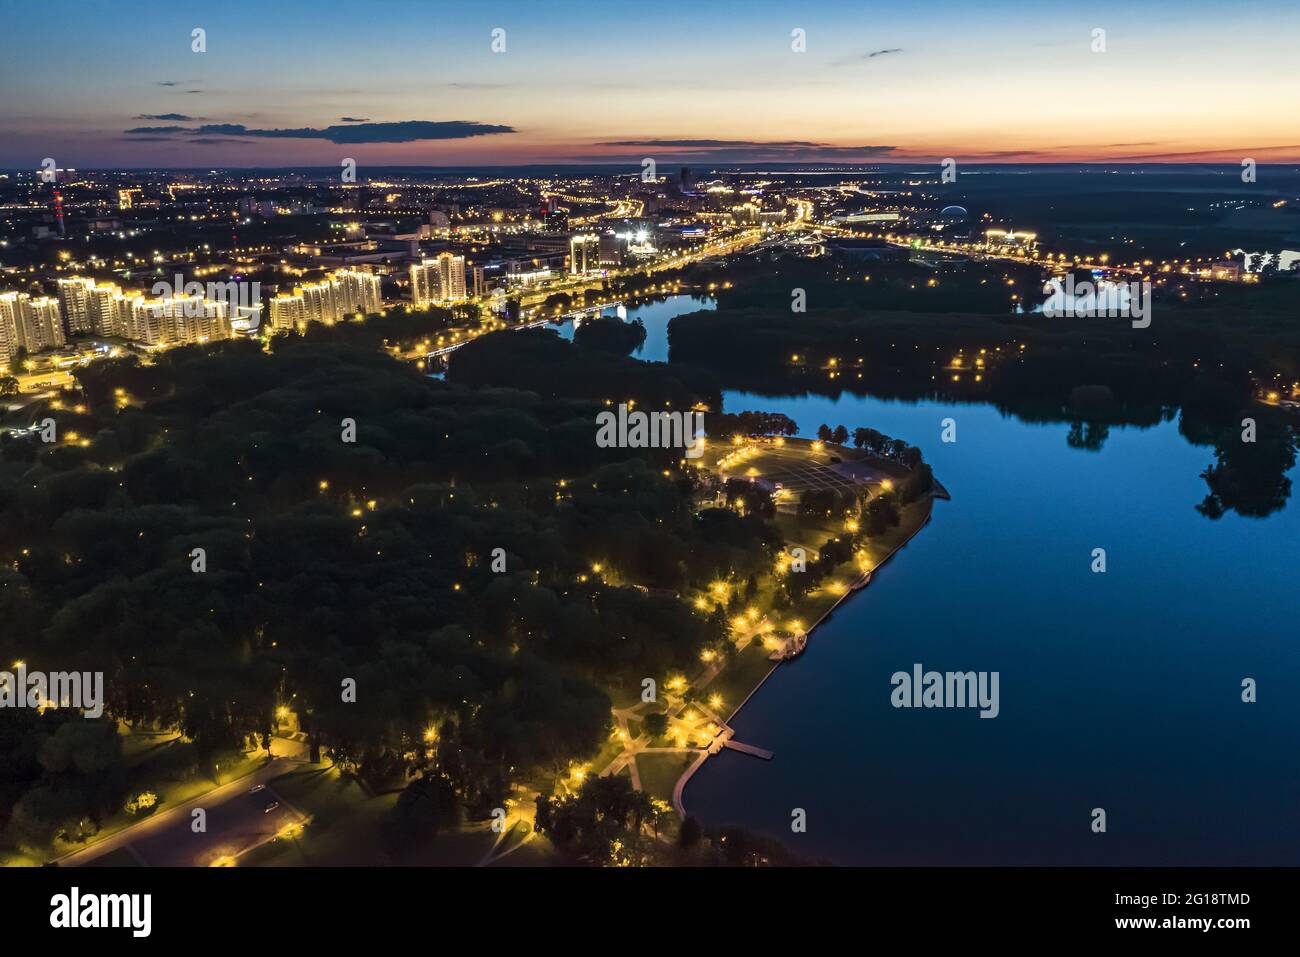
<point x="785" y="165"/>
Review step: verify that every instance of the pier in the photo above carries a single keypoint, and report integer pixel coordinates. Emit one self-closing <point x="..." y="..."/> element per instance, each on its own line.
<point x="748" y="749"/>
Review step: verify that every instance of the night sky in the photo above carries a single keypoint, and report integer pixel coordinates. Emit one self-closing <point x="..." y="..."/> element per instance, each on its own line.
<point x="97" y="84"/>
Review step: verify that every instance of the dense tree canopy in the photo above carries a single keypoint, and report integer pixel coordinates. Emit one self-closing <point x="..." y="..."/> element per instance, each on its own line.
<point x="610" y="334"/>
<point x="443" y="560"/>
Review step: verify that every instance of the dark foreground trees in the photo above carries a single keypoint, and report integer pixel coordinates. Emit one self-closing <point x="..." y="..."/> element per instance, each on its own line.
<point x="323" y="529"/>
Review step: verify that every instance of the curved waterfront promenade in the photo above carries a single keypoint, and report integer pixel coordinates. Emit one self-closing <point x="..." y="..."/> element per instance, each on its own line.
<point x="939" y="492"/>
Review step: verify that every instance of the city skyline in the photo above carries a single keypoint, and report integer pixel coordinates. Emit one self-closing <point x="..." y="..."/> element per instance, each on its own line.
<point x="681" y="83"/>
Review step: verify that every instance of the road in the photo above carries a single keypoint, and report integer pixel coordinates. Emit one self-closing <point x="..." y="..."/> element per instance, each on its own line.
<point x="749" y="240"/>
<point x="237" y="821"/>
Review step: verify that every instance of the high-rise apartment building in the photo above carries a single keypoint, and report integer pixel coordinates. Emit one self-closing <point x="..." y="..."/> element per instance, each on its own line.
<point x="74" y="297"/>
<point x="189" y="319"/>
<point x="28" y="324"/>
<point x="10" y="343"/>
<point x="110" y="310"/>
<point x="45" y="329"/>
<point x="339" y="295"/>
<point x="103" y="309"/>
<point x="438" y="280"/>
<point x="287" y="311"/>
<point x="357" y="292"/>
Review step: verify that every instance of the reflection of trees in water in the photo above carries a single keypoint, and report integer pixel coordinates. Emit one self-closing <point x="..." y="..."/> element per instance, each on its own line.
<point x="1249" y="478"/>
<point x="1087" y="435"/>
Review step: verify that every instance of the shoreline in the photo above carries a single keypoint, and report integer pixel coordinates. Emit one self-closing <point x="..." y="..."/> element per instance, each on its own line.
<point x="939" y="493"/>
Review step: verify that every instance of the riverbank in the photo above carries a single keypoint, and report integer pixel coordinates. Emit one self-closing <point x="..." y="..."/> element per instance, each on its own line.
<point x="920" y="514"/>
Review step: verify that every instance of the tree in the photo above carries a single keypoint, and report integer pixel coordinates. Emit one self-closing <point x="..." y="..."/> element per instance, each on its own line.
<point x="422" y="808"/>
<point x="8" y="386"/>
<point x="18" y="360"/>
<point x="917" y="485"/>
<point x="869" y="440"/>
<point x="880" y="515"/>
<point x="610" y="334"/>
<point x="605" y="813"/>
<point x="690" y="834"/>
<point x="238" y="448"/>
<point x="840" y="435"/>
<point x="655" y="724"/>
<point x="543" y="819"/>
<point x="82" y="779"/>
<point x="642" y="809"/>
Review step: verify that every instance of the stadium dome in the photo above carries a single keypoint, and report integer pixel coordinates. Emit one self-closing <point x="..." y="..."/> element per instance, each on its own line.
<point x="959" y="211"/>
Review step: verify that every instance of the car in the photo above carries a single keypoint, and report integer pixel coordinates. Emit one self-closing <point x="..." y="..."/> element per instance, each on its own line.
<point x="271" y="807"/>
<point x="256" y="787"/>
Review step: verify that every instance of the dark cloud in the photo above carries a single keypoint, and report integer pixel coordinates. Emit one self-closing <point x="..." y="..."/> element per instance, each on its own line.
<point x="886" y="51"/>
<point x="354" y="119"/>
<point x="408" y="131"/>
<point x="168" y="82"/>
<point x="173" y="117"/>
<point x="224" y="129"/>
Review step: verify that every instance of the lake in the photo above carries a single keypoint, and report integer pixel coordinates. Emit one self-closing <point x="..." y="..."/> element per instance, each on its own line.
<point x="1120" y="691"/>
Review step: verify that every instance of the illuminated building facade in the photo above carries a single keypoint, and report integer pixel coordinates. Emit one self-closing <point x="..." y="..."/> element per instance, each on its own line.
<point x="584" y="253"/>
<point x="1006" y="241"/>
<point x="28" y="324"/>
<point x="438" y="280"/>
<point x="341" y="294"/>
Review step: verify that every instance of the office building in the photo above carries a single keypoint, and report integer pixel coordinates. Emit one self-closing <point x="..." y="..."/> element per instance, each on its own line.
<point x="584" y="253"/>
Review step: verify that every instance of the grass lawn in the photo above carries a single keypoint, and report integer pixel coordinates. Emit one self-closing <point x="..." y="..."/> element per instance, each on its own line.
<point x="539" y="852"/>
<point x="624" y="692"/>
<point x="611" y="749"/>
<point x="660" y="770"/>
<point x="345" y="829"/>
<point x="742" y="674"/>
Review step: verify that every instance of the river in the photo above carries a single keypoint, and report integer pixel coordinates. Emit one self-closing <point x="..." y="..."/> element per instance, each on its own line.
<point x="1119" y="690"/>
